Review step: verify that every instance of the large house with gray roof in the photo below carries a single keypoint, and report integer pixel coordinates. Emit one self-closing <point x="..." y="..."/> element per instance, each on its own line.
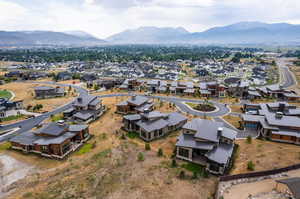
<point x="53" y="140"/>
<point x="278" y="121"/>
<point x="42" y="92"/>
<point x="207" y="143"/>
<point x="152" y="125"/>
<point x="85" y="109"/>
<point x="135" y="104"/>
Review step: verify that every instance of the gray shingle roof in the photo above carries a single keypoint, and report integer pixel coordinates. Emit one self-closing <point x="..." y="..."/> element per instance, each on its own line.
<point x="44" y="88"/>
<point x="175" y="118"/>
<point x="137" y="100"/>
<point x="133" y="117"/>
<point x="53" y="129"/>
<point x="286" y="121"/>
<point x="144" y="107"/>
<point x="77" y="128"/>
<point x="26" y="138"/>
<point x="84" y="100"/>
<point x="56" y="140"/>
<point x="188" y="140"/>
<point x="205" y="129"/>
<point x="229" y="133"/>
<point x="220" y="154"/>
<point x="83" y="115"/>
<point x="150" y="126"/>
<point x="156" y="120"/>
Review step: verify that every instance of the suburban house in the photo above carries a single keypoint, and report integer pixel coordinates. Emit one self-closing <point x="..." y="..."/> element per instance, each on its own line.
<point x="151" y="125"/>
<point x="239" y="89"/>
<point x="212" y="89"/>
<point x="136" y="104"/>
<point x="108" y="83"/>
<point x="53" y="140"/>
<point x="8" y="108"/>
<point x="182" y="88"/>
<point x="62" y="76"/>
<point x="85" y="109"/>
<point x="130" y="84"/>
<point x="157" y="86"/>
<point x="207" y="143"/>
<point x="278" y="92"/>
<point x="42" y="92"/>
<point x="275" y="121"/>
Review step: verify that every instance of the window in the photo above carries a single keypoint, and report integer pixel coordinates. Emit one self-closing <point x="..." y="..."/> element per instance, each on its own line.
<point x="183" y="152"/>
<point x="160" y="132"/>
<point x="45" y="148"/>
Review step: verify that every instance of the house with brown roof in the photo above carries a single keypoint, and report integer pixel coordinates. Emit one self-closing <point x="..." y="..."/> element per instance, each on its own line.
<point x="136" y="104"/>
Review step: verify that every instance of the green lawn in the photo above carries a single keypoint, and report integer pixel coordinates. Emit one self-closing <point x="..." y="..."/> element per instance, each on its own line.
<point x="57" y="117"/>
<point x="13" y="117"/>
<point x="4" y="146"/>
<point x="85" y="149"/>
<point x="192" y="105"/>
<point x="5" y="94"/>
<point x="132" y="135"/>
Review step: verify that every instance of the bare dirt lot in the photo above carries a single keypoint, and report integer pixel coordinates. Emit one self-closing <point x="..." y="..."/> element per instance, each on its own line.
<point x="110" y="169"/>
<point x="265" y="155"/>
<point x="260" y="190"/>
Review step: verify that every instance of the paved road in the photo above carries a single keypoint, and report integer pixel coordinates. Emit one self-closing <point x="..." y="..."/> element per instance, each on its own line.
<point x="179" y="102"/>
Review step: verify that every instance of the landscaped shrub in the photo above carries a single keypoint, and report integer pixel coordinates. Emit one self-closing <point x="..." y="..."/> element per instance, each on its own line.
<point x="123" y="137"/>
<point x="147" y="147"/>
<point x="174" y="163"/>
<point x="141" y="156"/>
<point x="195" y="175"/>
<point x="249" y="139"/>
<point x="160" y="152"/>
<point x="182" y="174"/>
<point x="251" y="166"/>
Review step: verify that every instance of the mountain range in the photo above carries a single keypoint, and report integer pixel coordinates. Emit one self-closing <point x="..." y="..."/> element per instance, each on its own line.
<point x="33" y="38"/>
<point x="239" y="33"/>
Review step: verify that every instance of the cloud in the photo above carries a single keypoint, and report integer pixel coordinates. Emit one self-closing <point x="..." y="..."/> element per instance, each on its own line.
<point x="105" y="17"/>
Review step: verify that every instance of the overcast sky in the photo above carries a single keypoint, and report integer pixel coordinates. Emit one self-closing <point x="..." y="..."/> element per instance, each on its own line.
<point x="105" y="17"/>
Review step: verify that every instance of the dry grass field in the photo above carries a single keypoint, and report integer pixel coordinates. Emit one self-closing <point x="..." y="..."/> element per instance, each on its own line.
<point x="24" y="91"/>
<point x="236" y="108"/>
<point x="233" y="120"/>
<point x="265" y="155"/>
<point x="110" y="169"/>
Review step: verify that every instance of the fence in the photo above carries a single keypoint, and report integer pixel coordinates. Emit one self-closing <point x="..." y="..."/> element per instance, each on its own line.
<point x="259" y="174"/>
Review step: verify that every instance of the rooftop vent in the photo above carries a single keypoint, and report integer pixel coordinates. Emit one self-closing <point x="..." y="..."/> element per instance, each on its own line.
<point x="279" y="115"/>
<point x="220" y="130"/>
<point x="60" y="122"/>
<point x="147" y="110"/>
<point x="79" y="99"/>
<point x="133" y="97"/>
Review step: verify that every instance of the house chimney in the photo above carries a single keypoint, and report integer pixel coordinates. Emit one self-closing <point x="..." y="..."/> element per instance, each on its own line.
<point x="220" y="130"/>
<point x="133" y="97"/>
<point x="278" y="115"/>
<point x="79" y="99"/>
<point x="146" y="110"/>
